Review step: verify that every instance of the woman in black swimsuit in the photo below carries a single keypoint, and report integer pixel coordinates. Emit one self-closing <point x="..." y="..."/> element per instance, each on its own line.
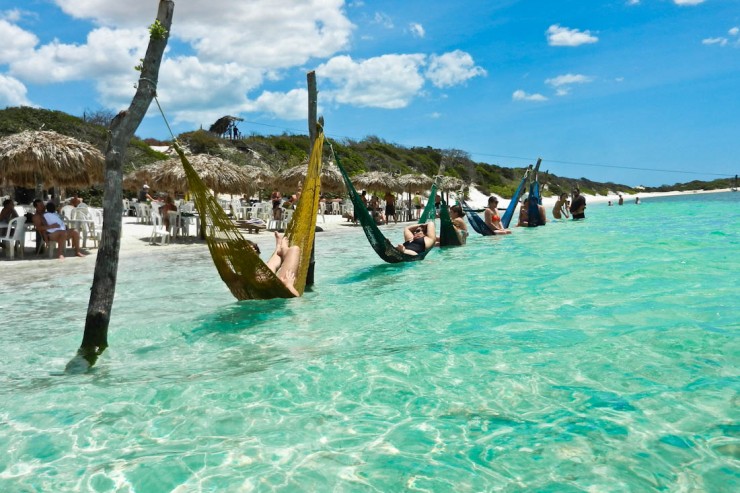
<point x="419" y="238"/>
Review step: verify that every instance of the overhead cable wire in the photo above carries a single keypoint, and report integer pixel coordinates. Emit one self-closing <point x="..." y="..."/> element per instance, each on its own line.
<point x="529" y="159"/>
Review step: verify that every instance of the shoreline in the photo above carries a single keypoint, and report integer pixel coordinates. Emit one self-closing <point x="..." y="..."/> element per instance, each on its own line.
<point x="135" y="236"/>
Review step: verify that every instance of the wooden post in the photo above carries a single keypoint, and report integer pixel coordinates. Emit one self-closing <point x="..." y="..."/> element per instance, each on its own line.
<point x="313" y="98"/>
<point x="121" y="130"/>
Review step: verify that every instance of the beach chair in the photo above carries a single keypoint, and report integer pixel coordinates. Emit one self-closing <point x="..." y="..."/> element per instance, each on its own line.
<point x="15" y="237"/>
<point x="158" y="229"/>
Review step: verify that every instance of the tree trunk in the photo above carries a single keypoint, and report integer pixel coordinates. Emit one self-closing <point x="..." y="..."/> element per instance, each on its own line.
<point x="122" y="128"/>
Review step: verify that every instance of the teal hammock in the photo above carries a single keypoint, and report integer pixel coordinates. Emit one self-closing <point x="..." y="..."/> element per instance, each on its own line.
<point x="447" y="233"/>
<point x="382" y="246"/>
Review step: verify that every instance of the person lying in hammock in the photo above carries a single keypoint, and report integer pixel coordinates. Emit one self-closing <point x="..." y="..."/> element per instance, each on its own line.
<point x="419" y="238"/>
<point x="457" y="215"/>
<point x="284" y="262"/>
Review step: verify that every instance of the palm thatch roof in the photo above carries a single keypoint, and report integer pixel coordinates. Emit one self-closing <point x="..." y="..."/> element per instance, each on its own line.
<point x="218" y="174"/>
<point x="139" y="177"/>
<point x="450" y="183"/>
<point x="376" y="180"/>
<point x="415" y="183"/>
<point x="331" y="178"/>
<point x="34" y="157"/>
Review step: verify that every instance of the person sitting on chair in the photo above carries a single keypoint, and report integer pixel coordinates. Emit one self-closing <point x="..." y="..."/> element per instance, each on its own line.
<point x="48" y="223"/>
<point x="169" y="206"/>
<point x="8" y="212"/>
<point x="419" y="238"/>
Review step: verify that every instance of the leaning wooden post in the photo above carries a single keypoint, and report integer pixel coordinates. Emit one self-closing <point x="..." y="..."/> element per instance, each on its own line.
<point x="313" y="97"/>
<point x="122" y="128"/>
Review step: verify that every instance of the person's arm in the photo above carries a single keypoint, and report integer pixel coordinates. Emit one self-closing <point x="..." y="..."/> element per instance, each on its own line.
<point x="430" y="237"/>
<point x="488" y="218"/>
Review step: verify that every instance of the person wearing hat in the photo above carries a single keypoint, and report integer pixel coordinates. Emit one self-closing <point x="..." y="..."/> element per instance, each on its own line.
<point x="144" y="194"/>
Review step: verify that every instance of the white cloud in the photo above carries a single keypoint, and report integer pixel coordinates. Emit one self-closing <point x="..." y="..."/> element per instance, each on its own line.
<point x="108" y="53"/>
<point x="520" y="95"/>
<point x="16" y="43"/>
<point x="226" y="51"/>
<point x="452" y="68"/>
<point x="714" y="41"/>
<point x="563" y="36"/>
<point x="567" y="79"/>
<point x="383" y="19"/>
<point x="417" y="30"/>
<point x="688" y="2"/>
<point x="388" y="81"/>
<point x="292" y="105"/>
<point x="734" y="31"/>
<point x="12" y="92"/>
<point x="13" y="15"/>
<point x="272" y="34"/>
<point x="633" y="2"/>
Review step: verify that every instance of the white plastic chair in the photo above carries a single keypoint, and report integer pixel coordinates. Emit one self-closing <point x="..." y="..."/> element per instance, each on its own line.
<point x="178" y="225"/>
<point x="67" y="211"/>
<point x="158" y="229"/>
<point x="15" y="236"/>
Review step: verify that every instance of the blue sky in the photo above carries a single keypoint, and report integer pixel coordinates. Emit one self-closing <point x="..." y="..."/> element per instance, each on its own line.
<point x="637" y="92"/>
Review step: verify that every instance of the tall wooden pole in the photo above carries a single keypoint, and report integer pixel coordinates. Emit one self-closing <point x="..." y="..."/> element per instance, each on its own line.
<point x="122" y="128"/>
<point x="313" y="98"/>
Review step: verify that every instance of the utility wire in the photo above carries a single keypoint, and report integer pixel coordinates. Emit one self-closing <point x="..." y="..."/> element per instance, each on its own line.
<point x="573" y="163"/>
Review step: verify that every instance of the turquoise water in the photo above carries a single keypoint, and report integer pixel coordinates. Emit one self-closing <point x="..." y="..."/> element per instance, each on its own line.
<point x="599" y="355"/>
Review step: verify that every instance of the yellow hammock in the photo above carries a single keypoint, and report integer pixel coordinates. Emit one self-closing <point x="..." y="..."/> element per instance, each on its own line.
<point x="237" y="263"/>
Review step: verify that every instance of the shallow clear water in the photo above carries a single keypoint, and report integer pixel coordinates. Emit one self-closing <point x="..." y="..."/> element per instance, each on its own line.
<point x="599" y="355"/>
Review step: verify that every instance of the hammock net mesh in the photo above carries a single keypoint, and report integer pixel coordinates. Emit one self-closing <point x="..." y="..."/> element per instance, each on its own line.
<point x="382" y="246"/>
<point x="238" y="264"/>
<point x="447" y="234"/>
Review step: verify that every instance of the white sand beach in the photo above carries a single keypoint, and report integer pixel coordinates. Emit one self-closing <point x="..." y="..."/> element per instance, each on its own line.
<point x="135" y="239"/>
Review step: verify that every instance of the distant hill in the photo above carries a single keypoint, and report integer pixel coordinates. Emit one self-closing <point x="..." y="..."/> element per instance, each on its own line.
<point x="282" y="151"/>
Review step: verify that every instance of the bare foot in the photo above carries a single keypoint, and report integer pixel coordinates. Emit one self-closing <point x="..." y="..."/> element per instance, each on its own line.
<point x="80" y="254"/>
<point x="61" y="257"/>
<point x="278" y="244"/>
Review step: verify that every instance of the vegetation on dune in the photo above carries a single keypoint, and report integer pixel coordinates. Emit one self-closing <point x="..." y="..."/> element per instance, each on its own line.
<point x="279" y="152"/>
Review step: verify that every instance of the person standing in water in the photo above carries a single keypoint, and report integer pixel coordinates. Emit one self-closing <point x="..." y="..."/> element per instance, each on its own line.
<point x="561" y="207"/>
<point x="578" y="206"/>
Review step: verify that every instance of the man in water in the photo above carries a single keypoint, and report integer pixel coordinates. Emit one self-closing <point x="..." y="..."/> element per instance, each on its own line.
<point x="578" y="206"/>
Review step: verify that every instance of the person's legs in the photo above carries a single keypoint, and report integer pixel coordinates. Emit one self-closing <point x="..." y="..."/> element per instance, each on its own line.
<point x="61" y="238"/>
<point x="276" y="259"/>
<point x="289" y="268"/>
<point x="74" y="235"/>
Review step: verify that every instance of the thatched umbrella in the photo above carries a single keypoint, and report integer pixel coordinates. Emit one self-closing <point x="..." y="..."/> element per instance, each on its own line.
<point x="414" y="183"/>
<point x="450" y="183"/>
<point x="219" y="175"/>
<point x="140" y="176"/>
<point x="331" y="178"/>
<point x="43" y="157"/>
<point x="446" y="184"/>
<point x="376" y="180"/>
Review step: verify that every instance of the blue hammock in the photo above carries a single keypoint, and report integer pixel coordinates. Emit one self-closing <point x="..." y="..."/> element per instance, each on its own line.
<point x="476" y="222"/>
<point x="506" y="218"/>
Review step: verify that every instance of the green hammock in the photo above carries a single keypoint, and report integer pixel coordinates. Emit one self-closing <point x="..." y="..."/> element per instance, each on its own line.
<point x="447" y="233"/>
<point x="382" y="246"/>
